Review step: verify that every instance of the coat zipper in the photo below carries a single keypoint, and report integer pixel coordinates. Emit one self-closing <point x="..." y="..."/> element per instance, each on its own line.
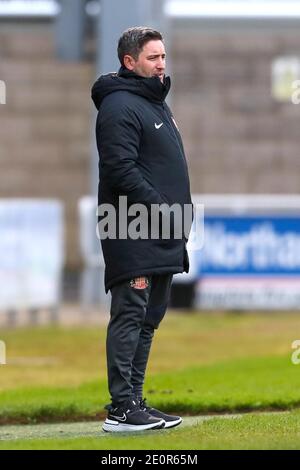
<point x="174" y="132"/>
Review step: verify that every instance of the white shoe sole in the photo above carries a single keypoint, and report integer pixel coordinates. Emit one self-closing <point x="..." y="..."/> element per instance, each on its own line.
<point x="172" y="424"/>
<point x="114" y="426"/>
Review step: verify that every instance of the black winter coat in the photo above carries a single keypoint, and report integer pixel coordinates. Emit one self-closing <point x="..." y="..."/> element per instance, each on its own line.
<point x="141" y="156"/>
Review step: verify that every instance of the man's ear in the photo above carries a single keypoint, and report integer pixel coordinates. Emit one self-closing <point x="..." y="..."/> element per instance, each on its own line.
<point x="129" y="62"/>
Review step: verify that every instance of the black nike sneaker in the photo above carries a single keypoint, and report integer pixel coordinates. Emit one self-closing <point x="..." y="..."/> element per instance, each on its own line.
<point x="170" y="420"/>
<point x="129" y="417"/>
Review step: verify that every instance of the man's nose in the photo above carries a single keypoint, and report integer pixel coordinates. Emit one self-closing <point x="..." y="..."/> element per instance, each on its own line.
<point x="161" y="63"/>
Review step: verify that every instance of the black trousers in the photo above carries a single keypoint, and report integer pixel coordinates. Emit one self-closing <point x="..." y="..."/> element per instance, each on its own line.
<point x="137" y="308"/>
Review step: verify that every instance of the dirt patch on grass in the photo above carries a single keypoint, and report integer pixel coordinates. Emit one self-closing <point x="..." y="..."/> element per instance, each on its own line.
<point x="77" y="418"/>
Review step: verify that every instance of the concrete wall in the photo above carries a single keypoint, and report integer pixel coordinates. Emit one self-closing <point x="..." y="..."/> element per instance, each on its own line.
<point x="237" y="138"/>
<point x="45" y="125"/>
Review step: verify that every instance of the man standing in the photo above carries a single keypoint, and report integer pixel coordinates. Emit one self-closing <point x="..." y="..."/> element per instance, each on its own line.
<point x="141" y="157"/>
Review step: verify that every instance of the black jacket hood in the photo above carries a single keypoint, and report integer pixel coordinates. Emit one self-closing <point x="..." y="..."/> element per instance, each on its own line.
<point x="151" y="88"/>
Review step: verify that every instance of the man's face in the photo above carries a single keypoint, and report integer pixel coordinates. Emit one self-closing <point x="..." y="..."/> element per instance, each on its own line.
<point x="151" y="60"/>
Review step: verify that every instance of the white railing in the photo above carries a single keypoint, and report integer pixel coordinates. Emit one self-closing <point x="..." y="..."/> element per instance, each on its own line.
<point x="201" y="9"/>
<point x="29" y="8"/>
<point x="231" y="9"/>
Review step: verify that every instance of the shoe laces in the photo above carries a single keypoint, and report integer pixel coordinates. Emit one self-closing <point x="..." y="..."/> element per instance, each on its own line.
<point x="143" y="404"/>
<point x="130" y="406"/>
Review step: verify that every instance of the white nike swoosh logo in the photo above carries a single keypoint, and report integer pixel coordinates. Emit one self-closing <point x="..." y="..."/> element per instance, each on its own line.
<point x="119" y="418"/>
<point x="157" y="126"/>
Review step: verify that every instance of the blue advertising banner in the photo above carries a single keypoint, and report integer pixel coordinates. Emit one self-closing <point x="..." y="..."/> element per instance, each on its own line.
<point x="250" y="245"/>
<point x="249" y="261"/>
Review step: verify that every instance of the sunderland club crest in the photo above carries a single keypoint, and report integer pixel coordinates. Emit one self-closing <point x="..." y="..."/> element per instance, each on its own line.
<point x="139" y="283"/>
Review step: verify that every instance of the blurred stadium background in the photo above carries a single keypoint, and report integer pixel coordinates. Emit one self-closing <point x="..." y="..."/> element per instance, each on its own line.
<point x="234" y="67"/>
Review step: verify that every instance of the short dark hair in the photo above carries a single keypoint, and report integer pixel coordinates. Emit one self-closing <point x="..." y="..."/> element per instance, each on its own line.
<point x="133" y="40"/>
